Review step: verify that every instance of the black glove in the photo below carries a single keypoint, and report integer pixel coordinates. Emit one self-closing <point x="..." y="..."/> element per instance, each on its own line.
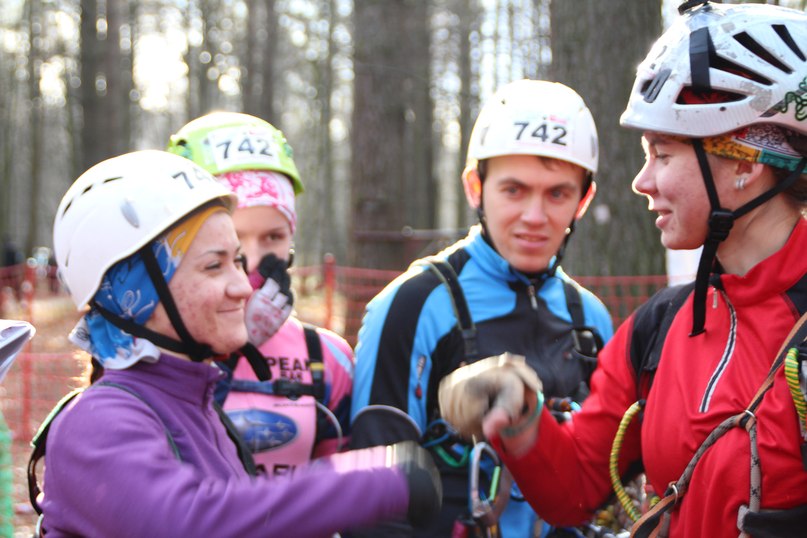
<point x="423" y="478"/>
<point x="271" y="304"/>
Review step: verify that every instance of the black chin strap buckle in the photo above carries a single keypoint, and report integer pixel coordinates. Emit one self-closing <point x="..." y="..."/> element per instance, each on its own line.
<point x="720" y="223"/>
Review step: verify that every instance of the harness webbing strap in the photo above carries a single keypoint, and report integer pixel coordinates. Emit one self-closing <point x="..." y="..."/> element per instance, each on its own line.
<point x="282" y="387"/>
<point x="315" y="365"/>
<point x="256" y="360"/>
<point x="587" y="342"/>
<point x="660" y="513"/>
<point x="448" y="277"/>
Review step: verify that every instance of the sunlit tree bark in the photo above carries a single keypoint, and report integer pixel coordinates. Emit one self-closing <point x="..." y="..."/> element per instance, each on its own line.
<point x="596" y="47"/>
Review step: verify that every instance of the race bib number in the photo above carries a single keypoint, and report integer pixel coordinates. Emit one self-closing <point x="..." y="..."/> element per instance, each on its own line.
<point x="541" y="131"/>
<point x="238" y="147"/>
<point x="192" y="176"/>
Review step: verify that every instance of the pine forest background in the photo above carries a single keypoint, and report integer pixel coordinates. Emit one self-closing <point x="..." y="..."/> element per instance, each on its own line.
<point x="377" y="98"/>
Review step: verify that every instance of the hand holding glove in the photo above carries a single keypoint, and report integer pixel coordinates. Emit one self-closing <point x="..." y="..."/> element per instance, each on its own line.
<point x="271" y="304"/>
<point x="498" y="396"/>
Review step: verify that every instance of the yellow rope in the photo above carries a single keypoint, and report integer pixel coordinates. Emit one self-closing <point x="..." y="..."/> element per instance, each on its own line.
<point x="792" y="377"/>
<point x="616" y="482"/>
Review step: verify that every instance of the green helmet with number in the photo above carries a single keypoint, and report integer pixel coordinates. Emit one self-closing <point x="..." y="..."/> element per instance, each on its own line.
<point x="536" y="117"/>
<point x="222" y="142"/>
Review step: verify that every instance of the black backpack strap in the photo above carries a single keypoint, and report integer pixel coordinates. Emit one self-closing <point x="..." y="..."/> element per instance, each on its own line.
<point x="288" y="388"/>
<point x="257" y="361"/>
<point x="39" y="444"/>
<point x="232" y="432"/>
<point x="587" y="341"/>
<point x="446" y="274"/>
<point x="651" y="323"/>
<point x="316" y="364"/>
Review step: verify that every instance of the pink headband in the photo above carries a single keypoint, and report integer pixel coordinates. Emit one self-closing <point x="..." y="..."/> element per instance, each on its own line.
<point x="262" y="188"/>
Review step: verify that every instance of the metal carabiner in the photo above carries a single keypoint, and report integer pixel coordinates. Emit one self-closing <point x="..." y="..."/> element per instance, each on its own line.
<point x="486" y="509"/>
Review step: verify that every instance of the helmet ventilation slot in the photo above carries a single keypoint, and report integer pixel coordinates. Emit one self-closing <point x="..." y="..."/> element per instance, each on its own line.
<point x="752" y="45"/>
<point x="782" y="31"/>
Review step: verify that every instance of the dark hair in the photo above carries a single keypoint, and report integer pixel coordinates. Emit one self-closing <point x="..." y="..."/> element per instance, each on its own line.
<point x="550" y="162"/>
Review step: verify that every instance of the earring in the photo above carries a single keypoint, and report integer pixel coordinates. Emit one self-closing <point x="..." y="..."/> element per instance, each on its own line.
<point x="740" y="184"/>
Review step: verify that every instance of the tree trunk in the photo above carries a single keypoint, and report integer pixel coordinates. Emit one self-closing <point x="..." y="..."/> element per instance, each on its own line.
<point x="192" y="108"/>
<point x="468" y="17"/>
<point x="252" y="66"/>
<point x="35" y="124"/>
<point x="91" y="138"/>
<point x="268" y="65"/>
<point x="115" y="98"/>
<point x="261" y="49"/>
<point x="8" y="113"/>
<point x="391" y="142"/>
<point x="596" y="47"/>
<point x="325" y="163"/>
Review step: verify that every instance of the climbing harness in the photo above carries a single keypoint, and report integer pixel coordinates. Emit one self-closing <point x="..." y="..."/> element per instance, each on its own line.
<point x="484" y="510"/>
<point x="285" y="387"/>
<point x="291" y="389"/>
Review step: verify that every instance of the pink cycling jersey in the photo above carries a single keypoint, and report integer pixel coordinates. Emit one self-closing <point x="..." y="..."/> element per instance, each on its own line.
<point x="283" y="432"/>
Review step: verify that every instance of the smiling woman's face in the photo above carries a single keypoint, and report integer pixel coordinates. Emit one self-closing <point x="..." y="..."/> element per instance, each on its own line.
<point x="210" y="289"/>
<point x="672" y="182"/>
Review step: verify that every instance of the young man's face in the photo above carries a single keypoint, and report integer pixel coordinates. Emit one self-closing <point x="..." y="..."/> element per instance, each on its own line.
<point x="529" y="203"/>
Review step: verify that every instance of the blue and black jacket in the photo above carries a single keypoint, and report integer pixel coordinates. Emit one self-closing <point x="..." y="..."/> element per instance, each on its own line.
<point x="410" y="340"/>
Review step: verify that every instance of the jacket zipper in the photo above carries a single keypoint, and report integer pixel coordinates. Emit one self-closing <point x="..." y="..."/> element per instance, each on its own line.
<point x="532" y="296"/>
<point x="728" y="352"/>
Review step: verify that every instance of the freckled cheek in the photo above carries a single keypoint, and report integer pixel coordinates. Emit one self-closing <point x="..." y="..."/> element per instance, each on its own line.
<point x="193" y="308"/>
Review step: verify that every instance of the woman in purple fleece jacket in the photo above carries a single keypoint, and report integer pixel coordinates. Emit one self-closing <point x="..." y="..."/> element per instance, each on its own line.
<point x="146" y="241"/>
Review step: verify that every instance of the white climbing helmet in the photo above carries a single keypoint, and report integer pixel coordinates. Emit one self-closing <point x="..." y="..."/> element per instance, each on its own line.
<point x="536" y="117"/>
<point x="118" y="206"/>
<point x="722" y="67"/>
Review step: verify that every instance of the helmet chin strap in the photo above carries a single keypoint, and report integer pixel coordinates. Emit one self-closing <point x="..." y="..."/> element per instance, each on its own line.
<point x="186" y="344"/>
<point x="721" y="221"/>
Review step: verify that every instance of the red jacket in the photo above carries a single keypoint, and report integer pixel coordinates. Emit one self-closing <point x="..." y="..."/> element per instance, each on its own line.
<point x="700" y="381"/>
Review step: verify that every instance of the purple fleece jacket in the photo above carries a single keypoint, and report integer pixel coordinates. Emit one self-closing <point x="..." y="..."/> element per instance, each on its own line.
<point x="110" y="470"/>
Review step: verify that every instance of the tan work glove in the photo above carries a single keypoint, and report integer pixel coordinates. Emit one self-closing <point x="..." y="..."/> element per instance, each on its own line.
<point x="498" y="396"/>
